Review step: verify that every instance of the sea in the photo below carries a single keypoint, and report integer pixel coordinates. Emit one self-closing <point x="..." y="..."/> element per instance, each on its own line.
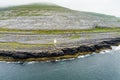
<point x="97" y="66"/>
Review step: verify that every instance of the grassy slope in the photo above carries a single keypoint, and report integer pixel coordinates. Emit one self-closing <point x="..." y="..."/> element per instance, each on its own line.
<point x="61" y="31"/>
<point x="32" y="7"/>
<point x="100" y="15"/>
<point x="17" y="46"/>
<point x="21" y="10"/>
<point x="25" y="9"/>
<point x="30" y="10"/>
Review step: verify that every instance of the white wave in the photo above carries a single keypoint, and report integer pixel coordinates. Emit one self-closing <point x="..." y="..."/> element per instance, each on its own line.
<point x="57" y="60"/>
<point x="83" y="56"/>
<point x="105" y="51"/>
<point x="63" y="59"/>
<point x="102" y="52"/>
<point x="71" y="58"/>
<point x="18" y="62"/>
<point x="32" y="62"/>
<point x="116" y="47"/>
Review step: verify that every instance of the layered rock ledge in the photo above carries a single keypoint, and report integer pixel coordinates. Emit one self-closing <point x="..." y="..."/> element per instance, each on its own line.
<point x="60" y="53"/>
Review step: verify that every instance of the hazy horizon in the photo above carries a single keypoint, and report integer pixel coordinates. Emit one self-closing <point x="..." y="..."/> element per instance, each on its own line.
<point x="109" y="7"/>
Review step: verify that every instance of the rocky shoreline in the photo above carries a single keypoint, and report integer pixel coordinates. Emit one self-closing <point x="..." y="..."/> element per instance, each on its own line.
<point x="63" y="53"/>
<point x="27" y="32"/>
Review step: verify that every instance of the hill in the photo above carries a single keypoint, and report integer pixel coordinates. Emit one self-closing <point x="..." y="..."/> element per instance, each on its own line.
<point x="50" y="16"/>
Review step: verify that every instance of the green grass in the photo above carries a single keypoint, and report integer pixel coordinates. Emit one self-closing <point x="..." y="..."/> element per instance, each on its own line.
<point x="16" y="45"/>
<point x="100" y="15"/>
<point x="76" y="31"/>
<point x="118" y="20"/>
<point x="38" y="6"/>
<point x="62" y="31"/>
<point x="75" y="37"/>
<point x="31" y="10"/>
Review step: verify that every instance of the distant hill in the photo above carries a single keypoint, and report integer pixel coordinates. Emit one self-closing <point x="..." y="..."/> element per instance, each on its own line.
<point x="51" y="16"/>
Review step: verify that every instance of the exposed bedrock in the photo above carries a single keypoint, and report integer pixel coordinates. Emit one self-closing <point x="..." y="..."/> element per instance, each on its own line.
<point x="62" y="52"/>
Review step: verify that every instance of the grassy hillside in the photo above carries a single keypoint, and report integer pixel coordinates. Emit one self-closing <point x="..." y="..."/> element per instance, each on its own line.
<point x="34" y="27"/>
<point x="50" y="16"/>
<point x="48" y="7"/>
<point x="33" y="6"/>
<point x="29" y="10"/>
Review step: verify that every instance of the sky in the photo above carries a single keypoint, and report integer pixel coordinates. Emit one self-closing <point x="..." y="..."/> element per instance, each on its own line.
<point x="110" y="7"/>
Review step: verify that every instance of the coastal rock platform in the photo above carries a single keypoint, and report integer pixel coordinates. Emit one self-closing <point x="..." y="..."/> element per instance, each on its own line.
<point x="85" y="44"/>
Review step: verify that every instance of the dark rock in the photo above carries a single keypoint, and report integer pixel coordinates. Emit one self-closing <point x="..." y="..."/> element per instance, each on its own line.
<point x="102" y="46"/>
<point x="5" y="53"/>
<point x="70" y="51"/>
<point x="37" y="55"/>
<point x="113" y="42"/>
<point x="85" y="49"/>
<point x="19" y="56"/>
<point x="56" y="53"/>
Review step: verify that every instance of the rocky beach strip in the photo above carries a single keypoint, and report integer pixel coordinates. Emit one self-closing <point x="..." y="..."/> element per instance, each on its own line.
<point x="62" y="53"/>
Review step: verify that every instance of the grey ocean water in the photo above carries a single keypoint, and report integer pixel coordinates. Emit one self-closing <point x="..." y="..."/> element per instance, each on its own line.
<point x="103" y="66"/>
